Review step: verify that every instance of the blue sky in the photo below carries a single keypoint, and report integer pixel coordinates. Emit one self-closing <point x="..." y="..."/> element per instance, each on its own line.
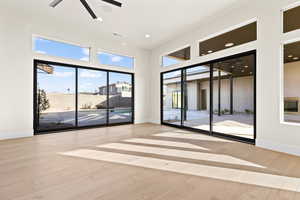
<point x="115" y="60"/>
<point x="60" y="49"/>
<point x="63" y="78"/>
<point x="167" y="61"/>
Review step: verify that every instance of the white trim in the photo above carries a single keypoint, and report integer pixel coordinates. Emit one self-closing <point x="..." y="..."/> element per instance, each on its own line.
<point x="228" y="29"/>
<point x="291" y="41"/>
<point x="290" y="149"/>
<point x="172" y="51"/>
<point x="281" y="81"/>
<point x="4" y="135"/>
<point x="281" y="76"/>
<point x="290" y="123"/>
<point x="291" y="6"/>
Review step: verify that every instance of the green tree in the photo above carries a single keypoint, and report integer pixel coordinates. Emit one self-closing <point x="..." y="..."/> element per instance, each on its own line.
<point x="43" y="101"/>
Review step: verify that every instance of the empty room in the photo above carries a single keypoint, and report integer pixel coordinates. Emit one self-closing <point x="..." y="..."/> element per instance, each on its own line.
<point x="149" y="100"/>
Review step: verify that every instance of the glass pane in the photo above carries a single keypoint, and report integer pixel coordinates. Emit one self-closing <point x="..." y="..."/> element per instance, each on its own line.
<point x="292" y="82"/>
<point x="92" y="97"/>
<point x="55" y="97"/>
<point x="60" y="49"/>
<point x="230" y="39"/>
<point x="172" y="97"/>
<point x="115" y="60"/>
<point x="120" y="98"/>
<point x="197" y="85"/>
<point x="176" y="57"/>
<point x="291" y="20"/>
<point x="233" y="97"/>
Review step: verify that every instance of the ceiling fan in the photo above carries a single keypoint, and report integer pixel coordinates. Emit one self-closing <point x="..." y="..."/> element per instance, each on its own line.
<point x="54" y="3"/>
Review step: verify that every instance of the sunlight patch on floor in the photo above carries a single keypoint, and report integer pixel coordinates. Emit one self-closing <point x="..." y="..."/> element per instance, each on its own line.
<point x="166" y="143"/>
<point x="226" y="174"/>
<point x="180" y="154"/>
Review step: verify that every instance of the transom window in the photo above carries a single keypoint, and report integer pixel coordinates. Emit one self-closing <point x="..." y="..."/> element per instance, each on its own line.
<point x="230" y="39"/>
<point x="111" y="59"/>
<point x="291" y="20"/>
<point x="60" y="49"/>
<point x="176" y="57"/>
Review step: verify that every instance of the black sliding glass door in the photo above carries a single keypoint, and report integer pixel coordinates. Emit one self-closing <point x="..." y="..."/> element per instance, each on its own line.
<point x="196" y="89"/>
<point x="68" y="96"/>
<point x="217" y="97"/>
<point x="92" y="104"/>
<point x="120" y="98"/>
<point x="55" y="97"/>
<point x="233" y="103"/>
<point x="171" y="97"/>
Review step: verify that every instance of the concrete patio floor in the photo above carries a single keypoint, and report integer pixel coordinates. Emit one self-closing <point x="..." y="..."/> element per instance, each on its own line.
<point x="239" y="124"/>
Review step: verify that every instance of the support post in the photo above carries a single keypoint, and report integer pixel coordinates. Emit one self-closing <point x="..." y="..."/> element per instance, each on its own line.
<point x="219" y="92"/>
<point x="231" y="95"/>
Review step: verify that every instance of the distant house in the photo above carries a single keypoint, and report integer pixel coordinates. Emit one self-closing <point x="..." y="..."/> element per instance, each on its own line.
<point x="119" y="88"/>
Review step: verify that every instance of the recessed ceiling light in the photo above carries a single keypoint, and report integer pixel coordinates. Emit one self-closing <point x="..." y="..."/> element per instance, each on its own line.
<point x="232" y="67"/>
<point x="99" y="19"/>
<point x="251" y="72"/>
<point x="229" y="44"/>
<point x="290" y="56"/>
<point x="295" y="58"/>
<point x="147" y="36"/>
<point x="243" y="70"/>
<point x="246" y="66"/>
<point x="210" y="51"/>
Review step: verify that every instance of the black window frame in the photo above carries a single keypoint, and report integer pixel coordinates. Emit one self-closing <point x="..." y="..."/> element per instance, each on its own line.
<point x="183" y="100"/>
<point x="77" y="127"/>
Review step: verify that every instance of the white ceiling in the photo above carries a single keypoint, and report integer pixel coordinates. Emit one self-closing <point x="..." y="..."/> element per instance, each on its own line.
<point x="162" y="19"/>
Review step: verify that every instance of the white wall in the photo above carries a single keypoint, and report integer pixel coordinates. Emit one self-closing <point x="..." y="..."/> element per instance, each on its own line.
<point x="271" y="133"/>
<point x="16" y="71"/>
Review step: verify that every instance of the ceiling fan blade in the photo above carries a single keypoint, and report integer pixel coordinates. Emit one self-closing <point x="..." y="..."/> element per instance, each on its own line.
<point x="54" y="3"/>
<point x="113" y="2"/>
<point x="88" y="8"/>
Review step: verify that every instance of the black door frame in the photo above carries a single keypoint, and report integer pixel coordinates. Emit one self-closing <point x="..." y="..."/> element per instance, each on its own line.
<point x="76" y="127"/>
<point x="210" y="132"/>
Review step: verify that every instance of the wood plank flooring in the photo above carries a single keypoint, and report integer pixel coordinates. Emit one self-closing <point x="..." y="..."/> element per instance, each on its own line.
<point x="143" y="162"/>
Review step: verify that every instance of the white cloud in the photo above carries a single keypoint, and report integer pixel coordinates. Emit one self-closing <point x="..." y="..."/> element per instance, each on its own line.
<point x="86" y="51"/>
<point x="116" y="59"/>
<point x="41" y="52"/>
<point x="63" y="74"/>
<point x="89" y="74"/>
<point x="86" y="86"/>
<point x="84" y="58"/>
<point x="38" y="39"/>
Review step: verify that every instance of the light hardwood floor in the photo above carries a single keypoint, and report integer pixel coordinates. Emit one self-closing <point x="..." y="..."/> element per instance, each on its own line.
<point x="143" y="162"/>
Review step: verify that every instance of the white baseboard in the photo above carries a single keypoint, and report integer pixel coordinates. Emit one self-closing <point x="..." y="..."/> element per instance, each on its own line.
<point x="290" y="149"/>
<point x="11" y="134"/>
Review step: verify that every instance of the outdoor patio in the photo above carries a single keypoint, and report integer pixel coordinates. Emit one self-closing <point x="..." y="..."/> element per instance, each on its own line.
<point x="238" y="124"/>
